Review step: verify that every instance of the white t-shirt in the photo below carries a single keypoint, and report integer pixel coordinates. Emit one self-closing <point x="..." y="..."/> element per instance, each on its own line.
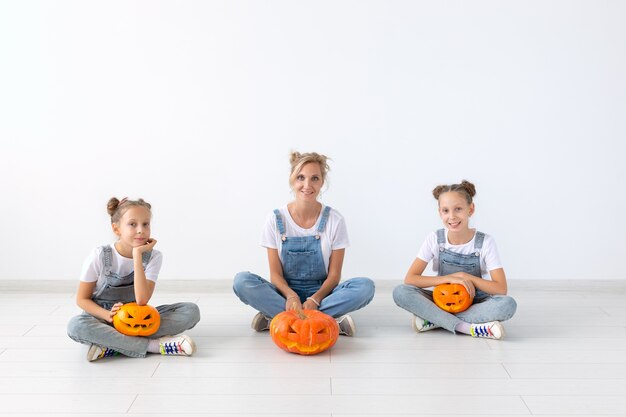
<point x="489" y="258"/>
<point x="334" y="236"/>
<point x="93" y="267"/>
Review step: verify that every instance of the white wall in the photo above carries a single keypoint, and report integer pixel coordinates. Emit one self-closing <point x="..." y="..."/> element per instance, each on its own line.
<point x="195" y="106"/>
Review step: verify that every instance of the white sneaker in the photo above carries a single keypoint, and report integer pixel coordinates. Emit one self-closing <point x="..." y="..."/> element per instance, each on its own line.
<point x="489" y="330"/>
<point x="346" y="325"/>
<point x="421" y="325"/>
<point x="260" y="322"/>
<point x="96" y="352"/>
<point x="181" y="345"/>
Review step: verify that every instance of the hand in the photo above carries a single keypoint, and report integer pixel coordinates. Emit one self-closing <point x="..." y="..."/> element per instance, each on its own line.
<point x="146" y="247"/>
<point x="113" y="312"/>
<point x="310" y="305"/>
<point x="293" y="303"/>
<point x="465" y="280"/>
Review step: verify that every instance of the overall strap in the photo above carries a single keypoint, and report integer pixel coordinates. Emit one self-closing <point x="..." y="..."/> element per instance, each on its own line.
<point x="478" y="242"/>
<point x="145" y="258"/>
<point x="107" y="255"/>
<point x="279" y="223"/>
<point x="441" y="239"/>
<point x="324" y="219"/>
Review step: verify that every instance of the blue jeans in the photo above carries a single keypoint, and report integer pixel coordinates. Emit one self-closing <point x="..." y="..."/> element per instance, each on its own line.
<point x="175" y="319"/>
<point x="262" y="295"/>
<point x="486" y="307"/>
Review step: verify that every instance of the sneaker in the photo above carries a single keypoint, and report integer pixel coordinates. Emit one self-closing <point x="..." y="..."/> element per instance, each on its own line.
<point x="490" y="330"/>
<point x="260" y="322"/>
<point x="421" y="325"/>
<point x="96" y="352"/>
<point x="181" y="345"/>
<point x="346" y="325"/>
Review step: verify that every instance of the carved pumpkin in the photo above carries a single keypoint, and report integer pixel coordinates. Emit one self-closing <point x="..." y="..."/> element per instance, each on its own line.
<point x="135" y="320"/>
<point x="452" y="298"/>
<point x="306" y="332"/>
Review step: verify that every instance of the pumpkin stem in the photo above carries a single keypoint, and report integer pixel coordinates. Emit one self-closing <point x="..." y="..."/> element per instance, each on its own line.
<point x="300" y="312"/>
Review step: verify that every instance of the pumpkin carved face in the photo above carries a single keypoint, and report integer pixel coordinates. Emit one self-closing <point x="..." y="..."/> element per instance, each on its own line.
<point x="135" y="320"/>
<point x="305" y="332"/>
<point x="452" y="298"/>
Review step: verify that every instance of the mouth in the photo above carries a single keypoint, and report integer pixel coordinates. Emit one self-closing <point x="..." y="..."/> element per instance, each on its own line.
<point x="454" y="224"/>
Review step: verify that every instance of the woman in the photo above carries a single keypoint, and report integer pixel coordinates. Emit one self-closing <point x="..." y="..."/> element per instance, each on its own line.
<point x="305" y="243"/>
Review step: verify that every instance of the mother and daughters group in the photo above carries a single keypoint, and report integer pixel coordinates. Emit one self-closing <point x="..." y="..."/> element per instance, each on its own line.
<point x="306" y="242"/>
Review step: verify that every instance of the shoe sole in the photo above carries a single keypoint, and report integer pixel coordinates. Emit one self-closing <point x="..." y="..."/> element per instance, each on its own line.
<point x="352" y="327"/>
<point x="256" y="323"/>
<point x="91" y="352"/>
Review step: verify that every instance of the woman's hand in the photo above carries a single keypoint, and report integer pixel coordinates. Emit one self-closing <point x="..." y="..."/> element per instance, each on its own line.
<point x="146" y="247"/>
<point x="310" y="304"/>
<point x="293" y="303"/>
<point x="464" y="279"/>
<point x="113" y="312"/>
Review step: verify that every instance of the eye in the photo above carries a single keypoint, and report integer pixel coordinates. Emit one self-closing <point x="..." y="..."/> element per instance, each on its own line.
<point x="132" y="224"/>
<point x="146" y="224"/>
<point x="300" y="177"/>
<point x="315" y="178"/>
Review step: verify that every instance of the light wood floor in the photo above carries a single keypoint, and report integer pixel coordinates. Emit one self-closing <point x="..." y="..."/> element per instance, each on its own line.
<point x="564" y="354"/>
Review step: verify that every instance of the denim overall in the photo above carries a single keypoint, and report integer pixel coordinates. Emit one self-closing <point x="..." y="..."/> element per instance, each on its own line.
<point x="485" y="308"/>
<point x="116" y="288"/>
<point x="87" y="329"/>
<point x="304" y="270"/>
<point x="302" y="259"/>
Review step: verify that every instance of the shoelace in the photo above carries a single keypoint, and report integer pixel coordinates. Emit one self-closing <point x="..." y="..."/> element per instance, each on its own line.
<point x="427" y="325"/>
<point x="481" y="331"/>
<point x="108" y="352"/>
<point x="171" y="348"/>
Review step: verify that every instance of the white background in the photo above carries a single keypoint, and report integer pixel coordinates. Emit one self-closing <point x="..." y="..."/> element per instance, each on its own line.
<point x="195" y="107"/>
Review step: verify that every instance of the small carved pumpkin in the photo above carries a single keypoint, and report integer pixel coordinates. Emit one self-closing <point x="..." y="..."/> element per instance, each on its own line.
<point x="135" y="320"/>
<point x="452" y="298"/>
<point x="306" y="332"/>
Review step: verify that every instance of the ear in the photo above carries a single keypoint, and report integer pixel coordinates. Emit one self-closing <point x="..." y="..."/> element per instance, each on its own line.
<point x="116" y="229"/>
<point x="471" y="209"/>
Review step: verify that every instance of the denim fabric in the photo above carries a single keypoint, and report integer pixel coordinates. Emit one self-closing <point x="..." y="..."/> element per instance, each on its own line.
<point x="87" y="329"/>
<point x="305" y="272"/>
<point x="486" y="307"/>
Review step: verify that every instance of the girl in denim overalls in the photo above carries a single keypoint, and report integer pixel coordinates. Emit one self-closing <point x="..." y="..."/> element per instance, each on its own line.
<point x="305" y="243"/>
<point x="122" y="273"/>
<point x="460" y="255"/>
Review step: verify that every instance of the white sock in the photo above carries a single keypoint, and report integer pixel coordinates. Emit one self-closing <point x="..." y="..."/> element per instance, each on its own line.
<point x="153" y="346"/>
<point x="463" y="328"/>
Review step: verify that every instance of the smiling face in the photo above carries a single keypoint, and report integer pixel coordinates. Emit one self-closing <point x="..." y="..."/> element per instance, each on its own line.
<point x="308" y="183"/>
<point x="133" y="228"/>
<point x="455" y="211"/>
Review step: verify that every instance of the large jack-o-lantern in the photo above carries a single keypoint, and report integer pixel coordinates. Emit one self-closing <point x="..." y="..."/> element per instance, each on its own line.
<point x="135" y="320"/>
<point x="452" y="298"/>
<point x="306" y="332"/>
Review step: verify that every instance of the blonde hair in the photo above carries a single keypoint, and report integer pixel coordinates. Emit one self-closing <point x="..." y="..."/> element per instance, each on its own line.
<point x="465" y="188"/>
<point x="116" y="208"/>
<point x="298" y="160"/>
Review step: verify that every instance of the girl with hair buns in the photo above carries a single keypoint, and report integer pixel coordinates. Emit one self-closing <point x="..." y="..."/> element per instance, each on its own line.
<point x="123" y="272"/>
<point x="460" y="255"/>
<point x="305" y="243"/>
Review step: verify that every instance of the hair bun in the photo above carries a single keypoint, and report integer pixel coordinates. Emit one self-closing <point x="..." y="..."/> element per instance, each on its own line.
<point x="112" y="205"/>
<point x="469" y="187"/>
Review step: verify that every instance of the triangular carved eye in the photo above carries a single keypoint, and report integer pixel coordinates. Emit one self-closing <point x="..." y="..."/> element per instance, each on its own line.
<point x="323" y="331"/>
<point x="292" y="330"/>
<point x="148" y="317"/>
<point x="130" y="316"/>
